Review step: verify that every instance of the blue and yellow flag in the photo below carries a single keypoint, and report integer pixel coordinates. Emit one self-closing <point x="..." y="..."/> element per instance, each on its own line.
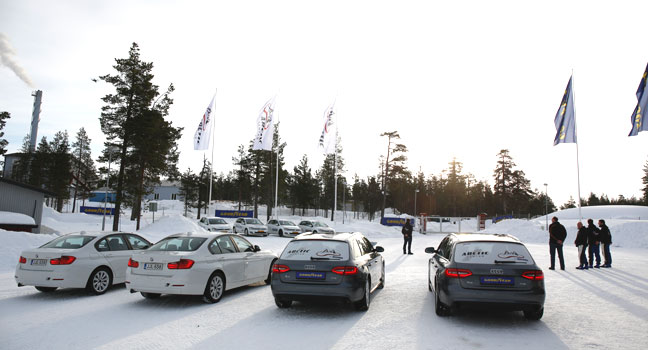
<point x="639" y="117"/>
<point x="565" y="120"/>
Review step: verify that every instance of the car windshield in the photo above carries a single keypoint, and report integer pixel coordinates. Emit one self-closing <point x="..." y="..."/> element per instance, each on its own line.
<point x="69" y="242"/>
<point x="287" y="223"/>
<point x="217" y="222"/>
<point x="492" y="253"/>
<point x="179" y="244"/>
<point x="316" y="250"/>
<point x="319" y="224"/>
<point x="253" y="222"/>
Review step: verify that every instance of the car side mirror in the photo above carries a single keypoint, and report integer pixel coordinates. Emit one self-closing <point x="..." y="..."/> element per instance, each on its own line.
<point x="256" y="248"/>
<point x="430" y="250"/>
<point x="379" y="249"/>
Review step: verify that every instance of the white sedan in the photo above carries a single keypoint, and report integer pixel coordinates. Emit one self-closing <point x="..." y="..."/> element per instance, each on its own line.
<point x="94" y="261"/>
<point x="213" y="224"/>
<point x="198" y="264"/>
<point x="315" y="227"/>
<point x="250" y="226"/>
<point x="283" y="227"/>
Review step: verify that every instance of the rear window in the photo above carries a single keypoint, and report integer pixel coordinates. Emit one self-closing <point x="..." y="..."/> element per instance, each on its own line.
<point x="179" y="244"/>
<point x="492" y="253"/>
<point x="69" y="242"/>
<point x="316" y="250"/>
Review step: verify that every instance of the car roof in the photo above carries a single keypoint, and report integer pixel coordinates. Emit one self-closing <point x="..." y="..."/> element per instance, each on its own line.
<point x="490" y="237"/>
<point x="196" y="234"/>
<point x="98" y="234"/>
<point x="338" y="236"/>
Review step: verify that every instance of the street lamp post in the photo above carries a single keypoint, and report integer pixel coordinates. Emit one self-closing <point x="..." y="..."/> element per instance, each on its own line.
<point x="546" y="209"/>
<point x="415" y="192"/>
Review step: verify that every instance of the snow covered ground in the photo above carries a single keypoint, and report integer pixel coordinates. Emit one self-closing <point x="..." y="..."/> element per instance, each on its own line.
<point x="595" y="309"/>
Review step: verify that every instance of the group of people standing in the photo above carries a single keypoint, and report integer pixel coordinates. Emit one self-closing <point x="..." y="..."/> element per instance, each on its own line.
<point x="598" y="239"/>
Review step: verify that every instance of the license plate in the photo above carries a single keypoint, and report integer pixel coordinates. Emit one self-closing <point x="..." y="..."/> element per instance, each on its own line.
<point x="152" y="266"/>
<point x="497" y="281"/>
<point x="311" y="275"/>
<point x="38" y="262"/>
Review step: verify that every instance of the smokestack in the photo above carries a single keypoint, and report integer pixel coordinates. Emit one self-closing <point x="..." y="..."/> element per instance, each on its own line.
<point x="38" y="95"/>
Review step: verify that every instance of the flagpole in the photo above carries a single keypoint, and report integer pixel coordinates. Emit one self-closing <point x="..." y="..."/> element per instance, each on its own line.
<point x="335" y="176"/>
<point x="580" y="214"/>
<point x="211" y="172"/>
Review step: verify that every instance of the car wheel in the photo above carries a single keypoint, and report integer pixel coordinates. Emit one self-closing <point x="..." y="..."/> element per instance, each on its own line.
<point x="315" y="231"/>
<point x="99" y="282"/>
<point x="429" y="283"/>
<point x="283" y="303"/>
<point x="439" y="307"/>
<point x="46" y="289"/>
<point x="150" y="295"/>
<point x="534" y="314"/>
<point x="234" y="229"/>
<point x="246" y="232"/>
<point x="269" y="279"/>
<point x="215" y="288"/>
<point x="363" y="304"/>
<point x="381" y="285"/>
<point x="280" y="233"/>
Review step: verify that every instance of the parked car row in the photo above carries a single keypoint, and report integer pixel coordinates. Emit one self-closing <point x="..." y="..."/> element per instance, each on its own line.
<point x="254" y="226"/>
<point x="464" y="270"/>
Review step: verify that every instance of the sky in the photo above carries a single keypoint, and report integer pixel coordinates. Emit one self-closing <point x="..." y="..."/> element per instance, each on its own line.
<point x="456" y="79"/>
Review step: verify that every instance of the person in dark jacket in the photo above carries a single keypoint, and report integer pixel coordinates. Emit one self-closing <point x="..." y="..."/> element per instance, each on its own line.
<point x="407" y="237"/>
<point x="581" y="244"/>
<point x="606" y="242"/>
<point x="557" y="235"/>
<point x="594" y="244"/>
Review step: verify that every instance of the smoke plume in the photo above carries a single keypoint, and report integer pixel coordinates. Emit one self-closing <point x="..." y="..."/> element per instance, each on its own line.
<point x="7" y="58"/>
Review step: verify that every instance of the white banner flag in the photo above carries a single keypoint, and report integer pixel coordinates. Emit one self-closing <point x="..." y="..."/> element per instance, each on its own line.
<point x="265" y="127"/>
<point x="328" y="139"/>
<point x="203" y="134"/>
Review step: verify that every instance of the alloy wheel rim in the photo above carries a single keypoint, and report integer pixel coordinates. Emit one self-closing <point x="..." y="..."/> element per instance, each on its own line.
<point x="100" y="281"/>
<point x="216" y="287"/>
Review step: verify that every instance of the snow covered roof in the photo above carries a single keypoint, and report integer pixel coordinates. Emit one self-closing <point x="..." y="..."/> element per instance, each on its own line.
<point x="7" y="217"/>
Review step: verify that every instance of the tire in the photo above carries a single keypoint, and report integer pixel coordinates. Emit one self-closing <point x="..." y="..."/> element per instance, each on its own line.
<point x="315" y="231"/>
<point x="280" y="233"/>
<point x="283" y="303"/>
<point x="215" y="288"/>
<point x="150" y="295"/>
<point x="534" y="314"/>
<point x="429" y="283"/>
<point x="234" y="229"/>
<point x="246" y="232"/>
<point x="46" y="289"/>
<point x="381" y="285"/>
<point x="269" y="279"/>
<point x="363" y="304"/>
<point x="440" y="309"/>
<point x="99" y="281"/>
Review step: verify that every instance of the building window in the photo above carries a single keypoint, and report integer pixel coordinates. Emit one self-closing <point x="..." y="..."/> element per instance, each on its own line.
<point x="173" y="196"/>
<point x="156" y="196"/>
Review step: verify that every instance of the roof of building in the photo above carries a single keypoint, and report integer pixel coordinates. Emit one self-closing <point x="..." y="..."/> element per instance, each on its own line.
<point x="27" y="186"/>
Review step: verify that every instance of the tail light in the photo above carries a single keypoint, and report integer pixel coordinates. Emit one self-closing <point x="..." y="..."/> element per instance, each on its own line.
<point x="63" y="260"/>
<point x="535" y="275"/>
<point x="22" y="260"/>
<point x="183" y="264"/>
<point x="133" y="263"/>
<point x="276" y="268"/>
<point x="345" y="270"/>
<point x="458" y="273"/>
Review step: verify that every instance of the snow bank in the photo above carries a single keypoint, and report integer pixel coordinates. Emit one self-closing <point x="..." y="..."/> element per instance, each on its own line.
<point x="627" y="212"/>
<point x="15" y="242"/>
<point x="7" y="217"/>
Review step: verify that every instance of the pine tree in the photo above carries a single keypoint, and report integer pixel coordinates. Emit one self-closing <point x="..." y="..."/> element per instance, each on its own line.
<point x="83" y="169"/>
<point x="60" y="170"/>
<point x="644" y="179"/>
<point x="131" y="118"/>
<point x="3" y="143"/>
<point x="189" y="183"/>
<point x="327" y="177"/>
<point x="397" y="162"/>
<point x="503" y="174"/>
<point x="242" y="175"/>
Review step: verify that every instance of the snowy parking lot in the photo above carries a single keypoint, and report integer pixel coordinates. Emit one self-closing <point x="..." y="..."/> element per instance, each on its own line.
<point x="595" y="309"/>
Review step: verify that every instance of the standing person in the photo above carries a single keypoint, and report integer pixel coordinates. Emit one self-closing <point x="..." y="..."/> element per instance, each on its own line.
<point x="557" y="235"/>
<point x="606" y="241"/>
<point x="407" y="237"/>
<point x="594" y="242"/>
<point x="581" y="243"/>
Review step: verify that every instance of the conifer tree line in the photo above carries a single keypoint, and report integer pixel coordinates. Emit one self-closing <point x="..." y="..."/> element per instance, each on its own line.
<point x="142" y="148"/>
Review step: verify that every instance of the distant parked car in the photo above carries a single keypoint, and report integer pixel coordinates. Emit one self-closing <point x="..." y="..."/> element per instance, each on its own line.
<point x="90" y="260"/>
<point x="343" y="266"/>
<point x="480" y="269"/>
<point x="198" y="264"/>
<point x="283" y="227"/>
<point x="250" y="226"/>
<point x="315" y="227"/>
<point x="213" y="224"/>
